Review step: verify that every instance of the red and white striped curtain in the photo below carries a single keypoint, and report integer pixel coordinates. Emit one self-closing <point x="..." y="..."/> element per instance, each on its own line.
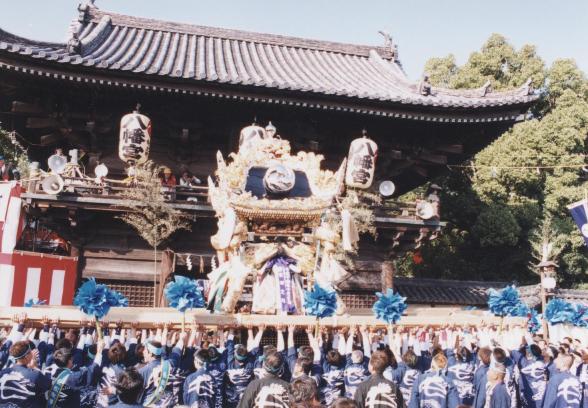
<point x="27" y="275"/>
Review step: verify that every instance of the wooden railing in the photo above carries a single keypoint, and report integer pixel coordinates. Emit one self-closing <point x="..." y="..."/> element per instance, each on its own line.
<point x="81" y="191"/>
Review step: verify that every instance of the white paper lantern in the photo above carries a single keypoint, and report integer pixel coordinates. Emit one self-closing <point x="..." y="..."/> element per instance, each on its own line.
<point x="134" y="138"/>
<point x="361" y="163"/>
<point x="549" y="283"/>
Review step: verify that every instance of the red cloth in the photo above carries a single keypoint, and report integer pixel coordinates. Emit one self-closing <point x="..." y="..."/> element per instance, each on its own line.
<point x="170" y="182"/>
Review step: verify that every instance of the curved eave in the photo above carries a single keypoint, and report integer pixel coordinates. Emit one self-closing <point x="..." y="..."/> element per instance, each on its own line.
<point x="66" y="68"/>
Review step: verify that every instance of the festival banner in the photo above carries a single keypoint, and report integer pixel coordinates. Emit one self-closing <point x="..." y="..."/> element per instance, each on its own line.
<point x="579" y="211"/>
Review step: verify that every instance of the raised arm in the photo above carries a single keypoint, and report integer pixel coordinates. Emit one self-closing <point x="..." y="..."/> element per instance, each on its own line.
<point x="342" y="344"/>
<point x="280" y="344"/>
<point x="367" y="349"/>
<point x="250" y="338"/>
<point x="230" y="347"/>
<point x="349" y="346"/>
<point x="221" y="337"/>
<point x="312" y="341"/>
<point x="291" y="330"/>
<point x="258" y="336"/>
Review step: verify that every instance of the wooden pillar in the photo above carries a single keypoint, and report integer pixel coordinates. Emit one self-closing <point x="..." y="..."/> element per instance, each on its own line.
<point x="167" y="268"/>
<point x="78" y="251"/>
<point x="387" y="275"/>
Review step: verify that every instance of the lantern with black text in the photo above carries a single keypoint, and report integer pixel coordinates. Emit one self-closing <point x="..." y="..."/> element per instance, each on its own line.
<point x="135" y="138"/>
<point x="361" y="163"/>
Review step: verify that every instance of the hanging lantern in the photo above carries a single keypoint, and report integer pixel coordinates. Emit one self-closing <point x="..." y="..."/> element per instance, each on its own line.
<point x="361" y="162"/>
<point x="250" y="137"/>
<point x="134" y="138"/>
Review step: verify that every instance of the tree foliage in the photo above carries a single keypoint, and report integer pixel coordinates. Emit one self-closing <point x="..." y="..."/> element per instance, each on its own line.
<point x="498" y="215"/>
<point x="148" y="212"/>
<point x="14" y="152"/>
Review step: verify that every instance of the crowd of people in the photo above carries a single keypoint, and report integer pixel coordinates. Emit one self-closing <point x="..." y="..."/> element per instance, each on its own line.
<point x="449" y="367"/>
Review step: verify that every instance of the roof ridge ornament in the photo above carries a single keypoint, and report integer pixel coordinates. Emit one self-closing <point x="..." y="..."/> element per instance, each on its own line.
<point x="389" y="43"/>
<point x="527" y="87"/>
<point x="74" y="45"/>
<point x="486" y="89"/>
<point x="83" y="10"/>
<point x="425" y="87"/>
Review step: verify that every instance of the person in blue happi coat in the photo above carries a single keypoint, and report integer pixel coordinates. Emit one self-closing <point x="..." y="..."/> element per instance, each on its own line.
<point x="434" y="388"/>
<point x="160" y="373"/>
<point x="239" y="372"/>
<point x="497" y="395"/>
<point x="69" y="386"/>
<point x="481" y="377"/>
<point x="533" y="375"/>
<point x="376" y="391"/>
<point x="356" y="362"/>
<point x="306" y="353"/>
<point x="129" y="387"/>
<point x="410" y="376"/>
<point x="113" y="365"/>
<point x="461" y="367"/>
<point x="564" y="389"/>
<point x="333" y="364"/>
<point x="217" y="366"/>
<point x="23" y="384"/>
<point x="200" y="389"/>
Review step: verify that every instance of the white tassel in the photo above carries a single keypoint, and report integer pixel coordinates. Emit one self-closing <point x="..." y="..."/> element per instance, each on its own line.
<point x="227" y="226"/>
<point x="350" y="235"/>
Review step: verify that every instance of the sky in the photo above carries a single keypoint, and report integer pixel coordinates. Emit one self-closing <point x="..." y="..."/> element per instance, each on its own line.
<point x="421" y="28"/>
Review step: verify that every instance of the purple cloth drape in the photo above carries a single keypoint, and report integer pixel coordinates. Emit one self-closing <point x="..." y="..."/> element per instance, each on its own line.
<point x="282" y="269"/>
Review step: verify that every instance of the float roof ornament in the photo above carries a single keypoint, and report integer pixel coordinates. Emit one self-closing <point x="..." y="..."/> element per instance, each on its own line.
<point x="243" y="183"/>
<point x="183" y="57"/>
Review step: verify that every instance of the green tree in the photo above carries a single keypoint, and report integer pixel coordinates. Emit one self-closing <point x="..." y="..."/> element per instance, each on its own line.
<point x="496" y="211"/>
<point x="148" y="212"/>
<point x="14" y="152"/>
<point x="441" y="71"/>
<point x="501" y="64"/>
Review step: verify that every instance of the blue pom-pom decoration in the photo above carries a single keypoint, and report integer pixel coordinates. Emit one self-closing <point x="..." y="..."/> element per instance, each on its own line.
<point x="320" y="302"/>
<point x="506" y="302"/>
<point x="34" y="302"/>
<point x="183" y="294"/>
<point x="580" y="316"/>
<point x="533" y="324"/>
<point x="520" y="310"/>
<point x="559" y="311"/>
<point x="389" y="307"/>
<point x="96" y="299"/>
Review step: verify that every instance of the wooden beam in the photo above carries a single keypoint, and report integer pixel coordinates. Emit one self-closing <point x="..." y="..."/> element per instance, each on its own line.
<point x="147" y="317"/>
<point x="25" y="107"/>
<point x="46" y="140"/>
<point x="455" y="148"/>
<point x="40" y="123"/>
<point x="433" y="158"/>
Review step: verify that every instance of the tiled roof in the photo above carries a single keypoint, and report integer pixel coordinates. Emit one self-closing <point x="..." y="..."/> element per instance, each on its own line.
<point x="203" y="55"/>
<point x="445" y="292"/>
<point x="451" y="292"/>
<point x="531" y="295"/>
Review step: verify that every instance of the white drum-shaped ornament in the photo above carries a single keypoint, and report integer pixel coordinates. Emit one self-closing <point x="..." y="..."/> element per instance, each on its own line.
<point x="135" y="138"/>
<point x="279" y="179"/>
<point x="361" y="163"/>
<point x="250" y="136"/>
